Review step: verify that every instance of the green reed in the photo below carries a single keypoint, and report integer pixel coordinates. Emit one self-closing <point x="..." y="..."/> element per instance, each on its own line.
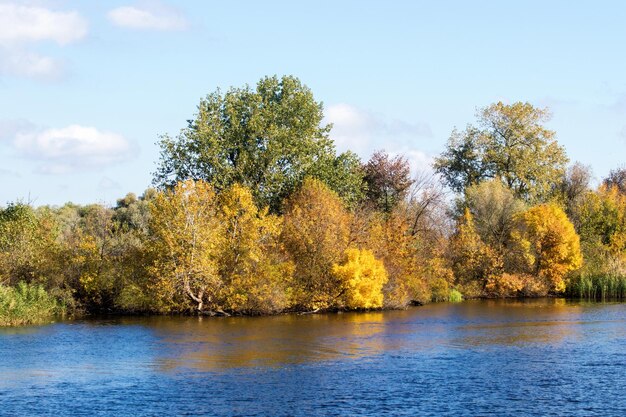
<point x="597" y="287"/>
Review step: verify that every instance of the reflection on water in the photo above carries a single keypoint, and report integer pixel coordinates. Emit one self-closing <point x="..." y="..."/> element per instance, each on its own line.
<point x="508" y="351"/>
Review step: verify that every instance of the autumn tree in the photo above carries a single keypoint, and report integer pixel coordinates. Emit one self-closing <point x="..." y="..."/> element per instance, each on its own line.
<point x="316" y="233"/>
<point x="510" y="143"/>
<point x="493" y="207"/>
<point x="362" y="277"/>
<point x="474" y="263"/>
<point x="251" y="263"/>
<point x="388" y="180"/>
<point x="550" y="245"/>
<point x="267" y="139"/>
<point x="572" y="189"/>
<point x="616" y="178"/>
<point x="186" y="243"/>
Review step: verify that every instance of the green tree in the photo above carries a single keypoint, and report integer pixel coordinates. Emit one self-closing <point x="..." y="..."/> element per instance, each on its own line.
<point x="509" y="143"/>
<point x="267" y="139"/>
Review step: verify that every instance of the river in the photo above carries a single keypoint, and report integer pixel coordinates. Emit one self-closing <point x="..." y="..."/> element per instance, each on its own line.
<point x="547" y="357"/>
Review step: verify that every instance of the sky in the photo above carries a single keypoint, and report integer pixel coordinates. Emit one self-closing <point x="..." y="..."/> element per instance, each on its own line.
<point x="87" y="87"/>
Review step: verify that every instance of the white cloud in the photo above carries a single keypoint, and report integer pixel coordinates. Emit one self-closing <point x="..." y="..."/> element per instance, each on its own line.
<point x="364" y="132"/>
<point x="22" y="26"/>
<point x="73" y="148"/>
<point x="29" y="64"/>
<point x="107" y="183"/>
<point x="148" y="16"/>
<point x="22" y="23"/>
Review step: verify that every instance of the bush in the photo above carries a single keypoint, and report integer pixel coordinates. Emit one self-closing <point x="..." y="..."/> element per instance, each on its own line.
<point x="27" y="304"/>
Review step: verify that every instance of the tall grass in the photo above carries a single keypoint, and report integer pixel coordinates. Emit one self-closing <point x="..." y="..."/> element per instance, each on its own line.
<point x="598" y="287"/>
<point x="27" y="304"/>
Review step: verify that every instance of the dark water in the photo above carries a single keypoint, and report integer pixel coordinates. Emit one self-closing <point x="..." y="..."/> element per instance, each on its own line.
<point x="542" y="358"/>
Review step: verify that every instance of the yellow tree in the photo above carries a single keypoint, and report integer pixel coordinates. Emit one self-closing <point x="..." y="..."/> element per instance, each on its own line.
<point x="315" y="234"/>
<point x="187" y="241"/>
<point x="473" y="262"/>
<point x="549" y="244"/>
<point x="362" y="277"/>
<point x="251" y="263"/>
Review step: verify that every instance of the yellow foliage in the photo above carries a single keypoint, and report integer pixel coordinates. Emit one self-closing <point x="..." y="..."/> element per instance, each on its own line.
<point x="255" y="274"/>
<point x="187" y="239"/>
<point x="549" y="244"/>
<point x="315" y="234"/>
<point x="363" y="277"/>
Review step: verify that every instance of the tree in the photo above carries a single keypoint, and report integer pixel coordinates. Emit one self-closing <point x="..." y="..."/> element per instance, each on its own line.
<point x="616" y="178"/>
<point x="267" y="139"/>
<point x="493" y="207"/>
<point x="510" y="143"/>
<point x="388" y="180"/>
<point x="186" y="245"/>
<point x="474" y="263"/>
<point x="550" y="244"/>
<point x="316" y="233"/>
<point x="251" y="264"/>
<point x="572" y="189"/>
<point x="363" y="277"/>
<point x="463" y="163"/>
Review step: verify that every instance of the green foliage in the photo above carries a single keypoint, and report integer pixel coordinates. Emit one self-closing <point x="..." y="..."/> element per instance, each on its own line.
<point x="597" y="287"/>
<point x="455" y="296"/>
<point x="510" y="143"/>
<point x="267" y="139"/>
<point x="27" y="304"/>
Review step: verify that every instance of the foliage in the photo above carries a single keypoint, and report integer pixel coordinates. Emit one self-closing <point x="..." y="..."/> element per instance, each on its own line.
<point x="511" y="144"/>
<point x="493" y="207"/>
<point x="474" y="264"/>
<point x="387" y="179"/>
<point x="26" y="304"/>
<point x="316" y="233"/>
<point x="267" y="139"/>
<point x="254" y="273"/>
<point x="362" y="277"/>
<point x="186" y="243"/>
<point x="549" y="243"/>
<point x="616" y="178"/>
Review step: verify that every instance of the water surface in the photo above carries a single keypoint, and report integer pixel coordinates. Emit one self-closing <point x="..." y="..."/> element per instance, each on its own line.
<point x="539" y="357"/>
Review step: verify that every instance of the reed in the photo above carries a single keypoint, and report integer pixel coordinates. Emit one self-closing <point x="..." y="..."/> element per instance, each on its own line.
<point x="27" y="304"/>
<point x="598" y="287"/>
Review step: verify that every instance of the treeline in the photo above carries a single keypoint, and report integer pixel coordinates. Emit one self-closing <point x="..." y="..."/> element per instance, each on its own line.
<point x="254" y="212"/>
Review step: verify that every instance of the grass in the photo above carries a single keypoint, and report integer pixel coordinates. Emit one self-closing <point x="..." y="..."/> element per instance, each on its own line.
<point x="27" y="304"/>
<point x="598" y="287"/>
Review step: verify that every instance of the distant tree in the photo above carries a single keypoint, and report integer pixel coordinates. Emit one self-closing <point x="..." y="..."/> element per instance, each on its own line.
<point x="387" y="179"/>
<point x="617" y="178"/>
<point x="572" y="189"/>
<point x="510" y="143"/>
<point x="267" y="139"/>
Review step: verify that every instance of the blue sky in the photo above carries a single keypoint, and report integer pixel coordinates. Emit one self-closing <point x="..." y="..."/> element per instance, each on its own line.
<point x="86" y="87"/>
